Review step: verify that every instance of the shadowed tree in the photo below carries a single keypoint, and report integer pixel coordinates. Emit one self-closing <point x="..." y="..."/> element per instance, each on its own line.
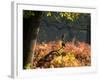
<point x="31" y="24"/>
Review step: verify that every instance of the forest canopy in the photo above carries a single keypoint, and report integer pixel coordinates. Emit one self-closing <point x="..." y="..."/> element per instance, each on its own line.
<point x="74" y="21"/>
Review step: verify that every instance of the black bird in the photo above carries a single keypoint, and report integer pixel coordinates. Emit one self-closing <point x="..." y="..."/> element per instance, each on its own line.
<point x="63" y="39"/>
<point x="63" y="44"/>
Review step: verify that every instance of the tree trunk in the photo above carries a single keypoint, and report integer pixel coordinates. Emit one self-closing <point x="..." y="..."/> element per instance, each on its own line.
<point x="30" y="32"/>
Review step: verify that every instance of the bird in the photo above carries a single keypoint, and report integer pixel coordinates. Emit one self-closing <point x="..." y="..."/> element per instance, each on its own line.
<point x="63" y="44"/>
<point x="63" y="40"/>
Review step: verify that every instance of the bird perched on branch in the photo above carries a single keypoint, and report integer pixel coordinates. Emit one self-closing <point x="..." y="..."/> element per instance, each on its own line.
<point x="63" y="40"/>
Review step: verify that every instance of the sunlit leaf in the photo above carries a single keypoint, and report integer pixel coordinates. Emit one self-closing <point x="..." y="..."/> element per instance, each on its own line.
<point x="28" y="66"/>
<point x="61" y="14"/>
<point x="49" y="14"/>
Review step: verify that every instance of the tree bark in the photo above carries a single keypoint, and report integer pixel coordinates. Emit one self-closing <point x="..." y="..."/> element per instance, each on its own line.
<point x="30" y="32"/>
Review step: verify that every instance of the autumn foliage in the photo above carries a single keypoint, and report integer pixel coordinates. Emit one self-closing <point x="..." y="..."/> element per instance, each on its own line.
<point x="72" y="55"/>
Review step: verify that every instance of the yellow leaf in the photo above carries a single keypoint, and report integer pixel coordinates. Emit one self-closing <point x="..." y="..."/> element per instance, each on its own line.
<point x="61" y="14"/>
<point x="28" y="66"/>
<point x="49" y="14"/>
